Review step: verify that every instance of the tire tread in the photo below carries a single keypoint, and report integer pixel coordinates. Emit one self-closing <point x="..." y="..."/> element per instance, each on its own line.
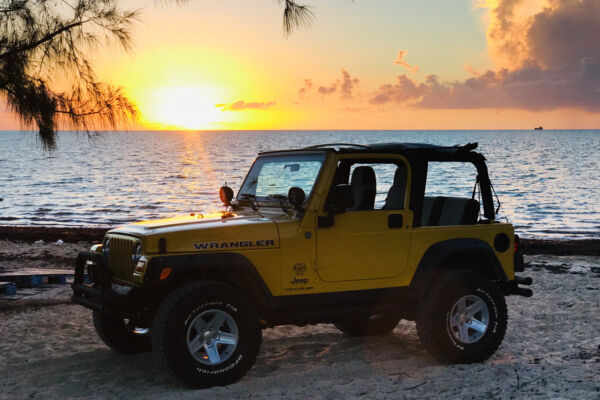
<point x="428" y="309"/>
<point x="161" y="322"/>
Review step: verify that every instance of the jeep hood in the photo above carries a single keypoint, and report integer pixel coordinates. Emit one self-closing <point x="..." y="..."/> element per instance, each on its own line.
<point x="208" y="232"/>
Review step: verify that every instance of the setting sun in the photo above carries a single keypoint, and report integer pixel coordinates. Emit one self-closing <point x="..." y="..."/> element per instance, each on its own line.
<point x="181" y="108"/>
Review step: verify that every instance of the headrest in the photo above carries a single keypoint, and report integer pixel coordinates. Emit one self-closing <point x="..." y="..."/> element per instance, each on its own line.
<point x="364" y="176"/>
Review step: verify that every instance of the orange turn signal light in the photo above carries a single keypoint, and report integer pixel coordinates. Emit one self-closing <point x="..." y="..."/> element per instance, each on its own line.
<point x="165" y="273"/>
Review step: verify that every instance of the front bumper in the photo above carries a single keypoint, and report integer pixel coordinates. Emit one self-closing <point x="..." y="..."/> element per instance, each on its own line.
<point x="99" y="295"/>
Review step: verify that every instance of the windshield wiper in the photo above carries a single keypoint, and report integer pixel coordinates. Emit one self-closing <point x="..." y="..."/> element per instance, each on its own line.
<point x="252" y="199"/>
<point x="281" y="198"/>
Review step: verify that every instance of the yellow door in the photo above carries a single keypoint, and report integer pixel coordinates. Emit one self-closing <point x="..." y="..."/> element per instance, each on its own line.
<point x="364" y="245"/>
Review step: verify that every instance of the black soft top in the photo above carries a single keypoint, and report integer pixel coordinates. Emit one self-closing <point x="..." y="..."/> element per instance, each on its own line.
<point x="412" y="150"/>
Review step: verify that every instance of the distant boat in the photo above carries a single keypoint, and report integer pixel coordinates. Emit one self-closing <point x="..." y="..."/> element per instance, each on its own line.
<point x="539" y="128"/>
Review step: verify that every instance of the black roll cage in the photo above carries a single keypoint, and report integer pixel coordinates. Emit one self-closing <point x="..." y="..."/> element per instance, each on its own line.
<point x="419" y="168"/>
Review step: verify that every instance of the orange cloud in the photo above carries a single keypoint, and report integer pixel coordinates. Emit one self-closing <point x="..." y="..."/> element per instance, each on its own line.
<point x="346" y="85"/>
<point x="403" y="91"/>
<point x="303" y="90"/>
<point x="530" y="88"/>
<point x="471" y="70"/>
<point x="400" y="61"/>
<point x="242" y="105"/>
<point x="327" y="90"/>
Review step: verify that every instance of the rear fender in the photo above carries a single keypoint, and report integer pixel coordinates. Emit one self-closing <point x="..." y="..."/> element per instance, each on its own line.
<point x="472" y="254"/>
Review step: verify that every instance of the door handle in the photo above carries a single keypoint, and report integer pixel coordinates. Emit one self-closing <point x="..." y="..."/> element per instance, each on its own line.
<point x="395" y="221"/>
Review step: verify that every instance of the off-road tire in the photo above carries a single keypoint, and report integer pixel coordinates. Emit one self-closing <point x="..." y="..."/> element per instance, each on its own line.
<point x="118" y="336"/>
<point x="380" y="324"/>
<point x="433" y="317"/>
<point x="172" y="325"/>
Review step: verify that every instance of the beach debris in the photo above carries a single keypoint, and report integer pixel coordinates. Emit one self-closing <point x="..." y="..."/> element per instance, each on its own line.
<point x="8" y="288"/>
<point x="59" y="242"/>
<point x="39" y="242"/>
<point x="31" y="277"/>
<point x="415" y="386"/>
<point x="553" y="268"/>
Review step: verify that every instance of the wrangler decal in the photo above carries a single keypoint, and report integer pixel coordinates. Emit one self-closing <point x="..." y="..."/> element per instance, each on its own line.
<point x="229" y="245"/>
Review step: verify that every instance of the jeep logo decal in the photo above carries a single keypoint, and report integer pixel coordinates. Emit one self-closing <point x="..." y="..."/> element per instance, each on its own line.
<point x="299" y="269"/>
<point x="231" y="245"/>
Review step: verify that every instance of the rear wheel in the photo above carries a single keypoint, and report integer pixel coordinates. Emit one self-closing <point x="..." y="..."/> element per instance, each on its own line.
<point x="379" y="324"/>
<point x="121" y="334"/>
<point x="463" y="318"/>
<point x="207" y="334"/>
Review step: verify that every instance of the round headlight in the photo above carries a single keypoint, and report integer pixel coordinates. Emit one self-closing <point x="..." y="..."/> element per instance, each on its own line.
<point x="137" y="253"/>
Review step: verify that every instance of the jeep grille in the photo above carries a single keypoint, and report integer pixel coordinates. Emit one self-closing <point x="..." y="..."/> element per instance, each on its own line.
<point x="119" y="259"/>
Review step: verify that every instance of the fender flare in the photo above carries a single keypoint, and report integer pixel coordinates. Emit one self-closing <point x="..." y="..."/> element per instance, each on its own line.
<point x="236" y="268"/>
<point x="473" y="254"/>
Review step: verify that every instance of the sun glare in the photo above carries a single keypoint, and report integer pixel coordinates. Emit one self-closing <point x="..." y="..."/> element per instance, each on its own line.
<point x="177" y="107"/>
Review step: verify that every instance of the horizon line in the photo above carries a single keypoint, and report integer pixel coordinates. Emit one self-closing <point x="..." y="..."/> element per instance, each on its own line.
<point x="300" y="130"/>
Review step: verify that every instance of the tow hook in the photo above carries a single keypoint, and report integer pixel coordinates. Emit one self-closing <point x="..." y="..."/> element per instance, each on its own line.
<point x="520" y="280"/>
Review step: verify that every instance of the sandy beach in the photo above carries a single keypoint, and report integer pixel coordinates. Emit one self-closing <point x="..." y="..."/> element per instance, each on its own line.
<point x="551" y="349"/>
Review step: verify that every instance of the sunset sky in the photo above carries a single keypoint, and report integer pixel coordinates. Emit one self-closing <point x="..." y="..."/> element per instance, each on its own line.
<point x="387" y="64"/>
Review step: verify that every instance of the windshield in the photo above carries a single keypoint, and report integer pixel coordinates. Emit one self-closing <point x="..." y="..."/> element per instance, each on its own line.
<point x="273" y="176"/>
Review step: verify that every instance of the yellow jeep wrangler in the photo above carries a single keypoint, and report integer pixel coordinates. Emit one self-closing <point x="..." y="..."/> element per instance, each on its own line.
<point x="339" y="233"/>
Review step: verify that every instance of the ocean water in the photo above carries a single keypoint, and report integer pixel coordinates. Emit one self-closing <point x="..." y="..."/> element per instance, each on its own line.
<point x="547" y="181"/>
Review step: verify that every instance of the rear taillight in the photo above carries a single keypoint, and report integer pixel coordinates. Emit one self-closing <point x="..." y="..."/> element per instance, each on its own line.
<point x="516" y="243"/>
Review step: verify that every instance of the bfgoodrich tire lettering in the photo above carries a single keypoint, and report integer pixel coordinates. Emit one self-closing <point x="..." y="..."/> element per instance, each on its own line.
<point x="437" y="326"/>
<point x="200" y="365"/>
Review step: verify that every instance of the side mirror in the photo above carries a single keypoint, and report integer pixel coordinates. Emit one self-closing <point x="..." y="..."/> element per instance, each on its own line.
<point x="344" y="197"/>
<point x="226" y="194"/>
<point x="296" y="197"/>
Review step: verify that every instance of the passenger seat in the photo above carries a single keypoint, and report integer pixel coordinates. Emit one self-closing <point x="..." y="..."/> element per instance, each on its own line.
<point x="397" y="192"/>
<point x="364" y="188"/>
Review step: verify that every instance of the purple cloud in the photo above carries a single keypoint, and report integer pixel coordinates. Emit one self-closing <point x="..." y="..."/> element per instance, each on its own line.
<point x="558" y="67"/>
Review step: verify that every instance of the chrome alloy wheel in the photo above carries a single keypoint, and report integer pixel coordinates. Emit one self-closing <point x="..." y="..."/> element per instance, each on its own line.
<point x="212" y="337"/>
<point x="469" y="319"/>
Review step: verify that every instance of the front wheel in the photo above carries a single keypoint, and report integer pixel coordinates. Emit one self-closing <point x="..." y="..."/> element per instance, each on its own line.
<point x="463" y="317"/>
<point x="121" y="335"/>
<point x="207" y="334"/>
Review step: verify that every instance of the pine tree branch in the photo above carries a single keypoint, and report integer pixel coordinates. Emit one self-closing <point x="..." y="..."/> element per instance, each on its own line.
<point x="46" y="38"/>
